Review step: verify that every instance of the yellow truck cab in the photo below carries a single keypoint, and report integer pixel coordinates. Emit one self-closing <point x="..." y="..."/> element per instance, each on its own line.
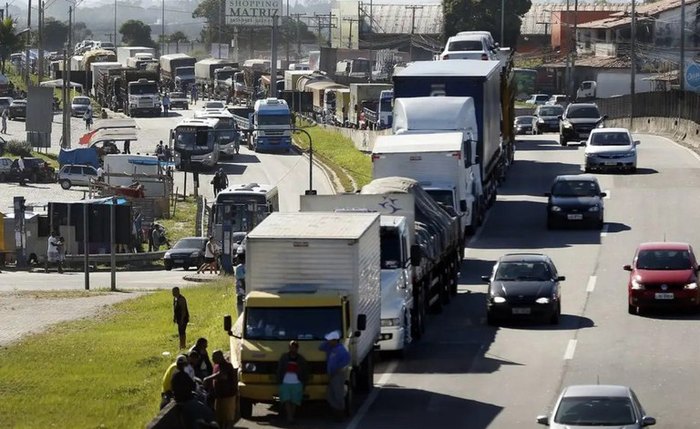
<point x="308" y="274"/>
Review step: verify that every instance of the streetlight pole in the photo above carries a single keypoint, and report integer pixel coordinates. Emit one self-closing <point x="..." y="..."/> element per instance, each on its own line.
<point x="503" y="20"/>
<point x="681" y="73"/>
<point x="633" y="60"/>
<point x="115" y="22"/>
<point x="162" y="27"/>
<point x="29" y="38"/>
<point x="309" y="191"/>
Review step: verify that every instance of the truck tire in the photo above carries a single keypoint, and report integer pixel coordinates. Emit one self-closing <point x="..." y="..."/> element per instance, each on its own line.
<point x="365" y="376"/>
<point x="418" y="319"/>
<point x="436" y="307"/>
<point x="246" y="408"/>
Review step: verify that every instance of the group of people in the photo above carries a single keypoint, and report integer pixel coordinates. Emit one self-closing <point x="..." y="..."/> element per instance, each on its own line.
<point x="164" y="152"/>
<point x="212" y="253"/>
<point x="205" y="389"/>
<point x="219" y="181"/>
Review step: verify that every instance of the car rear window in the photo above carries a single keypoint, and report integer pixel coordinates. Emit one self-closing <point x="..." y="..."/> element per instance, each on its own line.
<point x="551" y="111"/>
<point x="465" y="45"/>
<point x="595" y="411"/>
<point x="663" y="260"/>
<point x="523" y="120"/>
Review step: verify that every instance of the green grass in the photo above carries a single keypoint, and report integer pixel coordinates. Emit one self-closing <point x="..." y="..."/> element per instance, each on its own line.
<point x="50" y="158"/>
<point x="182" y="224"/>
<point x="339" y="154"/>
<point x="105" y="371"/>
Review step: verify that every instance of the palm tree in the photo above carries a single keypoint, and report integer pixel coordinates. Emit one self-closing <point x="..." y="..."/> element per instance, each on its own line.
<point x="9" y="41"/>
<point x="177" y="37"/>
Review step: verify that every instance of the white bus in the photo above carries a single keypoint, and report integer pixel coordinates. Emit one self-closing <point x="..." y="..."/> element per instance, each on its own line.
<point x="238" y="209"/>
<point x="227" y="131"/>
<point x="195" y="142"/>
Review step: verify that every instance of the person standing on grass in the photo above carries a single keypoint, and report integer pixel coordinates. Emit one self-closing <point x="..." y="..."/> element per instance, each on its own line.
<point x="292" y="373"/>
<point x="181" y="316"/>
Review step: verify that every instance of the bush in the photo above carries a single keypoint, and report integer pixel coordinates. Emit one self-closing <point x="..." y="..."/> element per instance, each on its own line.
<point x="19" y="148"/>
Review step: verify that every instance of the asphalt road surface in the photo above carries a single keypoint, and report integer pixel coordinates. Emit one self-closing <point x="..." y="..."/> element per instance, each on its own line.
<point x="465" y="374"/>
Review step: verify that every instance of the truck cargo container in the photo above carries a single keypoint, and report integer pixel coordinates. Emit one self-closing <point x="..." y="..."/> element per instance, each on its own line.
<point x="126" y="52"/>
<point x="177" y="71"/>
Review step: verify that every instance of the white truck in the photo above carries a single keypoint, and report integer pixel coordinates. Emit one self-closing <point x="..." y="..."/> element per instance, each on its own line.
<point x="125" y="169"/>
<point x="307" y="274"/>
<point x="126" y="52"/>
<point x="612" y="84"/>
<point x="363" y="93"/>
<point x="429" y="115"/>
<point x="142" y="61"/>
<point x="437" y="161"/>
<point x="97" y="68"/>
<point x="395" y="244"/>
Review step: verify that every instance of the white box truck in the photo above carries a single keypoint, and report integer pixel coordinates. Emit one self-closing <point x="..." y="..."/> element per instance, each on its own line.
<point x="307" y="274"/>
<point x="437" y="161"/>
<point x="126" y="52"/>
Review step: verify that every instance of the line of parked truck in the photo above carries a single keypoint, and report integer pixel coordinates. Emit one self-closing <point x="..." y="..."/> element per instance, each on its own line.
<point x="372" y="265"/>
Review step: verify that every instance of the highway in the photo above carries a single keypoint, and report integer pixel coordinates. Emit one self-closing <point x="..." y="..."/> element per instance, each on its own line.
<point x="465" y="374"/>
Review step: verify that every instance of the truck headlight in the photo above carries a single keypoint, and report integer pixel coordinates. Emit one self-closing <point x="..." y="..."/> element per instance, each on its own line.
<point x="566" y="124"/>
<point x="249" y="367"/>
<point x="391" y="322"/>
<point x="555" y="208"/>
<point x="540" y="121"/>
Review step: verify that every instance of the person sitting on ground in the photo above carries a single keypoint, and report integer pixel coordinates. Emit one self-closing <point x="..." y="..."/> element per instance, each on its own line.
<point x="167" y="391"/>
<point x="204" y="369"/>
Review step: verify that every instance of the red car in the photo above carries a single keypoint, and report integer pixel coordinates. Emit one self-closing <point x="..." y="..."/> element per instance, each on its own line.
<point x="663" y="275"/>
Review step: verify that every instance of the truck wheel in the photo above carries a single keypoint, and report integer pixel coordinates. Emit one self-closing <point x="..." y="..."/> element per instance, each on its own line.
<point x="436" y="308"/>
<point x="246" y="408"/>
<point x="365" y="379"/>
<point x="418" y="320"/>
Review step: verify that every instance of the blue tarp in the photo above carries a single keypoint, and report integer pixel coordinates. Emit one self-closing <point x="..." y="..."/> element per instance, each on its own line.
<point x="107" y="200"/>
<point x="79" y="156"/>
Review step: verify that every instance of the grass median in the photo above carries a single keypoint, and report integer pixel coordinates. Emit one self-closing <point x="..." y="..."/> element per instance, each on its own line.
<point x="106" y="371"/>
<point x="338" y="152"/>
<point x="183" y="222"/>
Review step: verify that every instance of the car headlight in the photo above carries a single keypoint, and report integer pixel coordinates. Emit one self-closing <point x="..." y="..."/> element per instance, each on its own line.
<point x="498" y="300"/>
<point x="543" y="300"/>
<point x="691" y="286"/>
<point x="540" y="121"/>
<point x="249" y="367"/>
<point x="636" y="285"/>
<point x="391" y="322"/>
<point x="566" y="124"/>
<point x="555" y="208"/>
<point x="167" y="255"/>
<point x="194" y="255"/>
<point x="594" y="209"/>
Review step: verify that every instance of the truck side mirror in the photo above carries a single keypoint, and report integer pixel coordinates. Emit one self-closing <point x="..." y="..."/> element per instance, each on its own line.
<point x="415" y="255"/>
<point x="463" y="206"/>
<point x="361" y="322"/>
<point x="228" y="324"/>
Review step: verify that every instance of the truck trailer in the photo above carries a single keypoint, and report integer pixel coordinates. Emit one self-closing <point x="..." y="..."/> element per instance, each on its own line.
<point x="177" y="71"/>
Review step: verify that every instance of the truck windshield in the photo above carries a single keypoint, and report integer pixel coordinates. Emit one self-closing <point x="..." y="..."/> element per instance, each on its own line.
<point x="273" y="120"/>
<point x="223" y="75"/>
<point x="143" y="89"/>
<point x="386" y="105"/>
<point x="390" y="248"/>
<point x="442" y="196"/>
<point x="298" y="323"/>
<point x="184" y="71"/>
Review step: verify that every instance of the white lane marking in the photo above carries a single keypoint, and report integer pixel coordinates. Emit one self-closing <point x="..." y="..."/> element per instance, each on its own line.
<point x="604" y="231"/>
<point x="607" y="194"/>
<point x="570" y="350"/>
<point x="384" y="379"/>
<point x="590" y="287"/>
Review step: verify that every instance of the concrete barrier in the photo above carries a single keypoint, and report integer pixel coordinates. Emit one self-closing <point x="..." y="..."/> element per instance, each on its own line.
<point x="680" y="130"/>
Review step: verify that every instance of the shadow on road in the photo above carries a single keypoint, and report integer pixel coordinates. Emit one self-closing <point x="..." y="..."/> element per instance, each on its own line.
<point x="567" y="322"/>
<point x="542" y="145"/>
<point x="527" y="177"/>
<point x="617" y="227"/>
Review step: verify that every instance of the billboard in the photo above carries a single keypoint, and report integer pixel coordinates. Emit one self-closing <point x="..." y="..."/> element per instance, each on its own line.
<point x="691" y="74"/>
<point x="252" y="13"/>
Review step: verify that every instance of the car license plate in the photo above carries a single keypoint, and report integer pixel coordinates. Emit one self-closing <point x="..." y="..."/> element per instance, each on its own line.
<point x="522" y="310"/>
<point x="663" y="296"/>
<point x="179" y="261"/>
<point x="583" y="135"/>
<point x="610" y="163"/>
<point x="574" y="216"/>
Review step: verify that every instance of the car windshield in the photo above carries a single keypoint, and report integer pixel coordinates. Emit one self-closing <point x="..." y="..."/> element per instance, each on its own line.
<point x="663" y="260"/>
<point x="575" y="188"/>
<point x="466" y="45"/>
<point x="237" y="237"/>
<point x="551" y="111"/>
<point x="610" y="139"/>
<point x="190" y="243"/>
<point x="177" y="95"/>
<point x="81" y="100"/>
<point x="278" y="323"/>
<point x="541" y="97"/>
<point x="214" y="105"/>
<point x="587" y="112"/>
<point x="523" y="271"/>
<point x="595" y="411"/>
<point x="523" y="120"/>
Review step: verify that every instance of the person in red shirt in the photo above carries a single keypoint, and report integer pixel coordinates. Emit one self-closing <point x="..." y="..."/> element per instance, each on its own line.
<point x="292" y="374"/>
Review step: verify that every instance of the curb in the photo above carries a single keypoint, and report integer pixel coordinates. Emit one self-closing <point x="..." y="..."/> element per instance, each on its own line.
<point x="327" y="171"/>
<point x="202" y="278"/>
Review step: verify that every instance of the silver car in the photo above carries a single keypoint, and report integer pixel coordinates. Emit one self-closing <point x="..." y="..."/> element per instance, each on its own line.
<point x="79" y="175"/>
<point x="611" y="148"/>
<point x="602" y="406"/>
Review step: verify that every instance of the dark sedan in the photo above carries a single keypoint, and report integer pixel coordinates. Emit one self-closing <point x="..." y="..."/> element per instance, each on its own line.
<point x="523" y="285"/>
<point x="575" y="199"/>
<point x="523" y="124"/>
<point x="547" y="118"/>
<point x="578" y="121"/>
<point x="18" y="109"/>
<point x="187" y="252"/>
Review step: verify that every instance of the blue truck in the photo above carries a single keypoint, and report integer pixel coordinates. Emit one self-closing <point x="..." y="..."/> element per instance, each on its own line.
<point x="490" y="84"/>
<point x="268" y="124"/>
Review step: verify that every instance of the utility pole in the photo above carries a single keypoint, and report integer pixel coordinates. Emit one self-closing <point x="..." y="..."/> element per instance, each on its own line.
<point x="567" y="73"/>
<point x="286" y="33"/>
<point x="681" y="72"/>
<point x="273" y="58"/>
<point x="40" y="43"/>
<point x="162" y="27"/>
<point x="27" y="62"/>
<point x="66" y="81"/>
<point x="413" y="29"/>
<point x="330" y="29"/>
<point x="297" y="24"/>
<point x="503" y="21"/>
<point x="633" y="61"/>
<point x="115" y="23"/>
<point x="351" y="21"/>
<point x="222" y="10"/>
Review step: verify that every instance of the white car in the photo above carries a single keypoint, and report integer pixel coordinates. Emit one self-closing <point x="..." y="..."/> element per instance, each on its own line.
<point x="538" y="99"/>
<point x="468" y="47"/>
<point x="611" y="148"/>
<point x="214" y="105"/>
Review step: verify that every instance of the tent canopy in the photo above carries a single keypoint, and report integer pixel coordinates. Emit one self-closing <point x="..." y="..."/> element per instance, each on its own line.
<point x="58" y="83"/>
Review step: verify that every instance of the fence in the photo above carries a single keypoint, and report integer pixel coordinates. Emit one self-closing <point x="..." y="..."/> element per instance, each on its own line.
<point x="663" y="104"/>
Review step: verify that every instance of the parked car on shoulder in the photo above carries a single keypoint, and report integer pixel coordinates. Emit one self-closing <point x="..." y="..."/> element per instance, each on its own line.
<point x="523" y="124"/>
<point x="187" y="252"/>
<point x="600" y="406"/>
<point x="76" y="175"/>
<point x="611" y="148"/>
<point x="577" y="122"/>
<point x="575" y="200"/>
<point x="35" y="170"/>
<point x="179" y="100"/>
<point x="663" y="275"/>
<point x="18" y="109"/>
<point x="537" y="99"/>
<point x="547" y="118"/>
<point x="5" y="168"/>
<point x="523" y="285"/>
<point x="79" y="105"/>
